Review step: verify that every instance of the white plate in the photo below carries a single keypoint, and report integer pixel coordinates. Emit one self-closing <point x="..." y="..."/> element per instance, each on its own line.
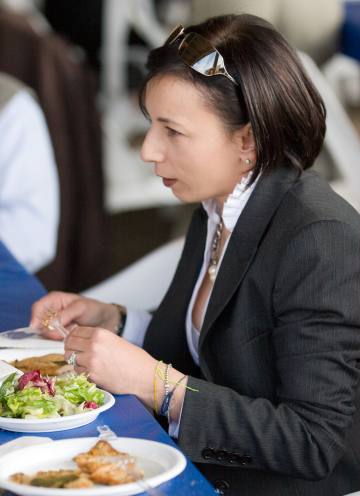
<point x="56" y="423"/>
<point x="159" y="462"/>
<point x="11" y="354"/>
<point x="26" y="338"/>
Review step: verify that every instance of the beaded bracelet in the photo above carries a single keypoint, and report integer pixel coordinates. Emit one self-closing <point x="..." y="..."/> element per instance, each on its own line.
<point x="166" y="390"/>
<point x="166" y="404"/>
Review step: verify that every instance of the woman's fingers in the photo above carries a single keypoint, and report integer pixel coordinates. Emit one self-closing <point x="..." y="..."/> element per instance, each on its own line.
<point x="77" y="359"/>
<point x="81" y="333"/>
<point x="53" y="302"/>
<point x="91" y="347"/>
<point x="54" y="335"/>
<point x="80" y="339"/>
<point x="73" y="313"/>
<point x="80" y="349"/>
<point x="70" y="309"/>
<point x="54" y="310"/>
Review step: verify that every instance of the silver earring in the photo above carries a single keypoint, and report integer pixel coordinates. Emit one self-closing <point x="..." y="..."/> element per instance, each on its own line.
<point x="247" y="161"/>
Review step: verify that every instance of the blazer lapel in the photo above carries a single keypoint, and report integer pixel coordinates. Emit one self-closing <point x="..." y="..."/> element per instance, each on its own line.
<point x="245" y="239"/>
<point x="165" y="338"/>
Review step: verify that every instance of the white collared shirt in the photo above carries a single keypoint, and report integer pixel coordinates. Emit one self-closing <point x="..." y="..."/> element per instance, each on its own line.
<point x="29" y="190"/>
<point x="233" y="207"/>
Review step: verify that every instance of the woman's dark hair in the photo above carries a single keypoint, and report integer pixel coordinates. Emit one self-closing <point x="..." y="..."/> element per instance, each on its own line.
<point x="274" y="93"/>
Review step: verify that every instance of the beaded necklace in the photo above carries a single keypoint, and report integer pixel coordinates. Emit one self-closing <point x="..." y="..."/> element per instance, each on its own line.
<point x="215" y="251"/>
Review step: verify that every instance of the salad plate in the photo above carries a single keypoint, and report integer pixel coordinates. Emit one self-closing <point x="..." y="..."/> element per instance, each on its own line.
<point x="53" y="424"/>
<point x="158" y="461"/>
<point x="33" y="403"/>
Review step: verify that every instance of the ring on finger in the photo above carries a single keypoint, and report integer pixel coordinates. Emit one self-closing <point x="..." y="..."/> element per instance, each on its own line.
<point x="72" y="359"/>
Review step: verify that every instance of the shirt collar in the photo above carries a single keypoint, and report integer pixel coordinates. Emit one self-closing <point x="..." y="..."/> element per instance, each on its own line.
<point x="234" y="204"/>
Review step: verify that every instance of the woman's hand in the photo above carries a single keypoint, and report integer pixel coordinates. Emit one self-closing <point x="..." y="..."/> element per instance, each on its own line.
<point x="72" y="309"/>
<point x="119" y="366"/>
<point x="112" y="362"/>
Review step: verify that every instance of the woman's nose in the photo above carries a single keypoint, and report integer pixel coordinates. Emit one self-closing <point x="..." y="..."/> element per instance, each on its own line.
<point x="151" y="149"/>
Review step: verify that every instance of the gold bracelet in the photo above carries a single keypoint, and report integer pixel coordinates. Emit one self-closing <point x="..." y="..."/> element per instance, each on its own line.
<point x="155" y="407"/>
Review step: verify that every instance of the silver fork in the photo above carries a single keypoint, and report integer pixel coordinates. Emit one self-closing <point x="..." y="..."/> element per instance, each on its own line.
<point x="107" y="434"/>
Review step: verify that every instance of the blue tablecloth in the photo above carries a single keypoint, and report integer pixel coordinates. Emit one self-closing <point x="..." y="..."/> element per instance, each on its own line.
<point x="18" y="290"/>
<point x="128" y="417"/>
<point x="350" y="36"/>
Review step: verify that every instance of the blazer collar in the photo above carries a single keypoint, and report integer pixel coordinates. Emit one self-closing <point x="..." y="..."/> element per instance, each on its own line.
<point x="245" y="239"/>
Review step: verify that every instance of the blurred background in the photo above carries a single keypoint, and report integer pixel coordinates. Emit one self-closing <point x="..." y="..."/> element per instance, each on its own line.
<point x="84" y="61"/>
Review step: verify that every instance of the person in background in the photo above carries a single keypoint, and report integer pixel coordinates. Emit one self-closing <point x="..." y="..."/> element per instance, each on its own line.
<point x="29" y="191"/>
<point x="252" y="356"/>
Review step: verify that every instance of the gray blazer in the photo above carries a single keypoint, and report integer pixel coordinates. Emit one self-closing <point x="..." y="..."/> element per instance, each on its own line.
<point x="277" y="409"/>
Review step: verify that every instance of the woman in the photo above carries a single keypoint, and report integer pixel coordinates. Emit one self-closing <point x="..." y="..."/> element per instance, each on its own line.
<point x="261" y="322"/>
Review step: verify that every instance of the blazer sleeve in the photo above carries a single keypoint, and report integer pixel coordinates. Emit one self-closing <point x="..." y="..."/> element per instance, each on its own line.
<point x="316" y="340"/>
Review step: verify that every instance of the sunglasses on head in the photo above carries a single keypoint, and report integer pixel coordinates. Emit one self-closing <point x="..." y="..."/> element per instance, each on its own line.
<point x="199" y="54"/>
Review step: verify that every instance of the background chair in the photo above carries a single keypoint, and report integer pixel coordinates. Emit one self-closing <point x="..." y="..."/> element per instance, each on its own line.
<point x="67" y="94"/>
<point x="339" y="159"/>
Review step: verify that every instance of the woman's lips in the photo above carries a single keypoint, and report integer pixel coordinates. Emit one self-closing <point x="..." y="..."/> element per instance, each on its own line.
<point x="168" y="182"/>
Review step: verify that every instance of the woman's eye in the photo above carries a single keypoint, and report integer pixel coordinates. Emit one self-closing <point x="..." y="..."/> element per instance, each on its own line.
<point x="172" y="132"/>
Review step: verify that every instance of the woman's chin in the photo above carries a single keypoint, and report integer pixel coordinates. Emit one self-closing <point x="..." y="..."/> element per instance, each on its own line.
<point x="180" y="197"/>
<point x="184" y="197"/>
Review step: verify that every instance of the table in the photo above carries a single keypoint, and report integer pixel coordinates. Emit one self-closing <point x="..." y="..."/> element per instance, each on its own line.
<point x="128" y="417"/>
<point x="350" y="35"/>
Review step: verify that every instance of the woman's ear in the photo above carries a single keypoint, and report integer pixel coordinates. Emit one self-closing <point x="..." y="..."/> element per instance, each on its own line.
<point x="245" y="139"/>
<point x="245" y="143"/>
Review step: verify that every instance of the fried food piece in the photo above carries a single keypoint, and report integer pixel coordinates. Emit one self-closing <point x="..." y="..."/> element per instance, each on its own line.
<point x="21" y="478"/>
<point x="101" y="448"/>
<point x="106" y="465"/>
<point x="99" y="454"/>
<point x="51" y="364"/>
<point x="112" y="474"/>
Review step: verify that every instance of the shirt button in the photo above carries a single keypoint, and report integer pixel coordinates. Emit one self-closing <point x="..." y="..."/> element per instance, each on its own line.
<point x="221" y="455"/>
<point x="233" y="458"/>
<point x="244" y="460"/>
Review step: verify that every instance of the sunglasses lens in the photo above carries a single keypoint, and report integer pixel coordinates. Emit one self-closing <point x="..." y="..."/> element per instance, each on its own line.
<point x="210" y="65"/>
<point x="198" y="53"/>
